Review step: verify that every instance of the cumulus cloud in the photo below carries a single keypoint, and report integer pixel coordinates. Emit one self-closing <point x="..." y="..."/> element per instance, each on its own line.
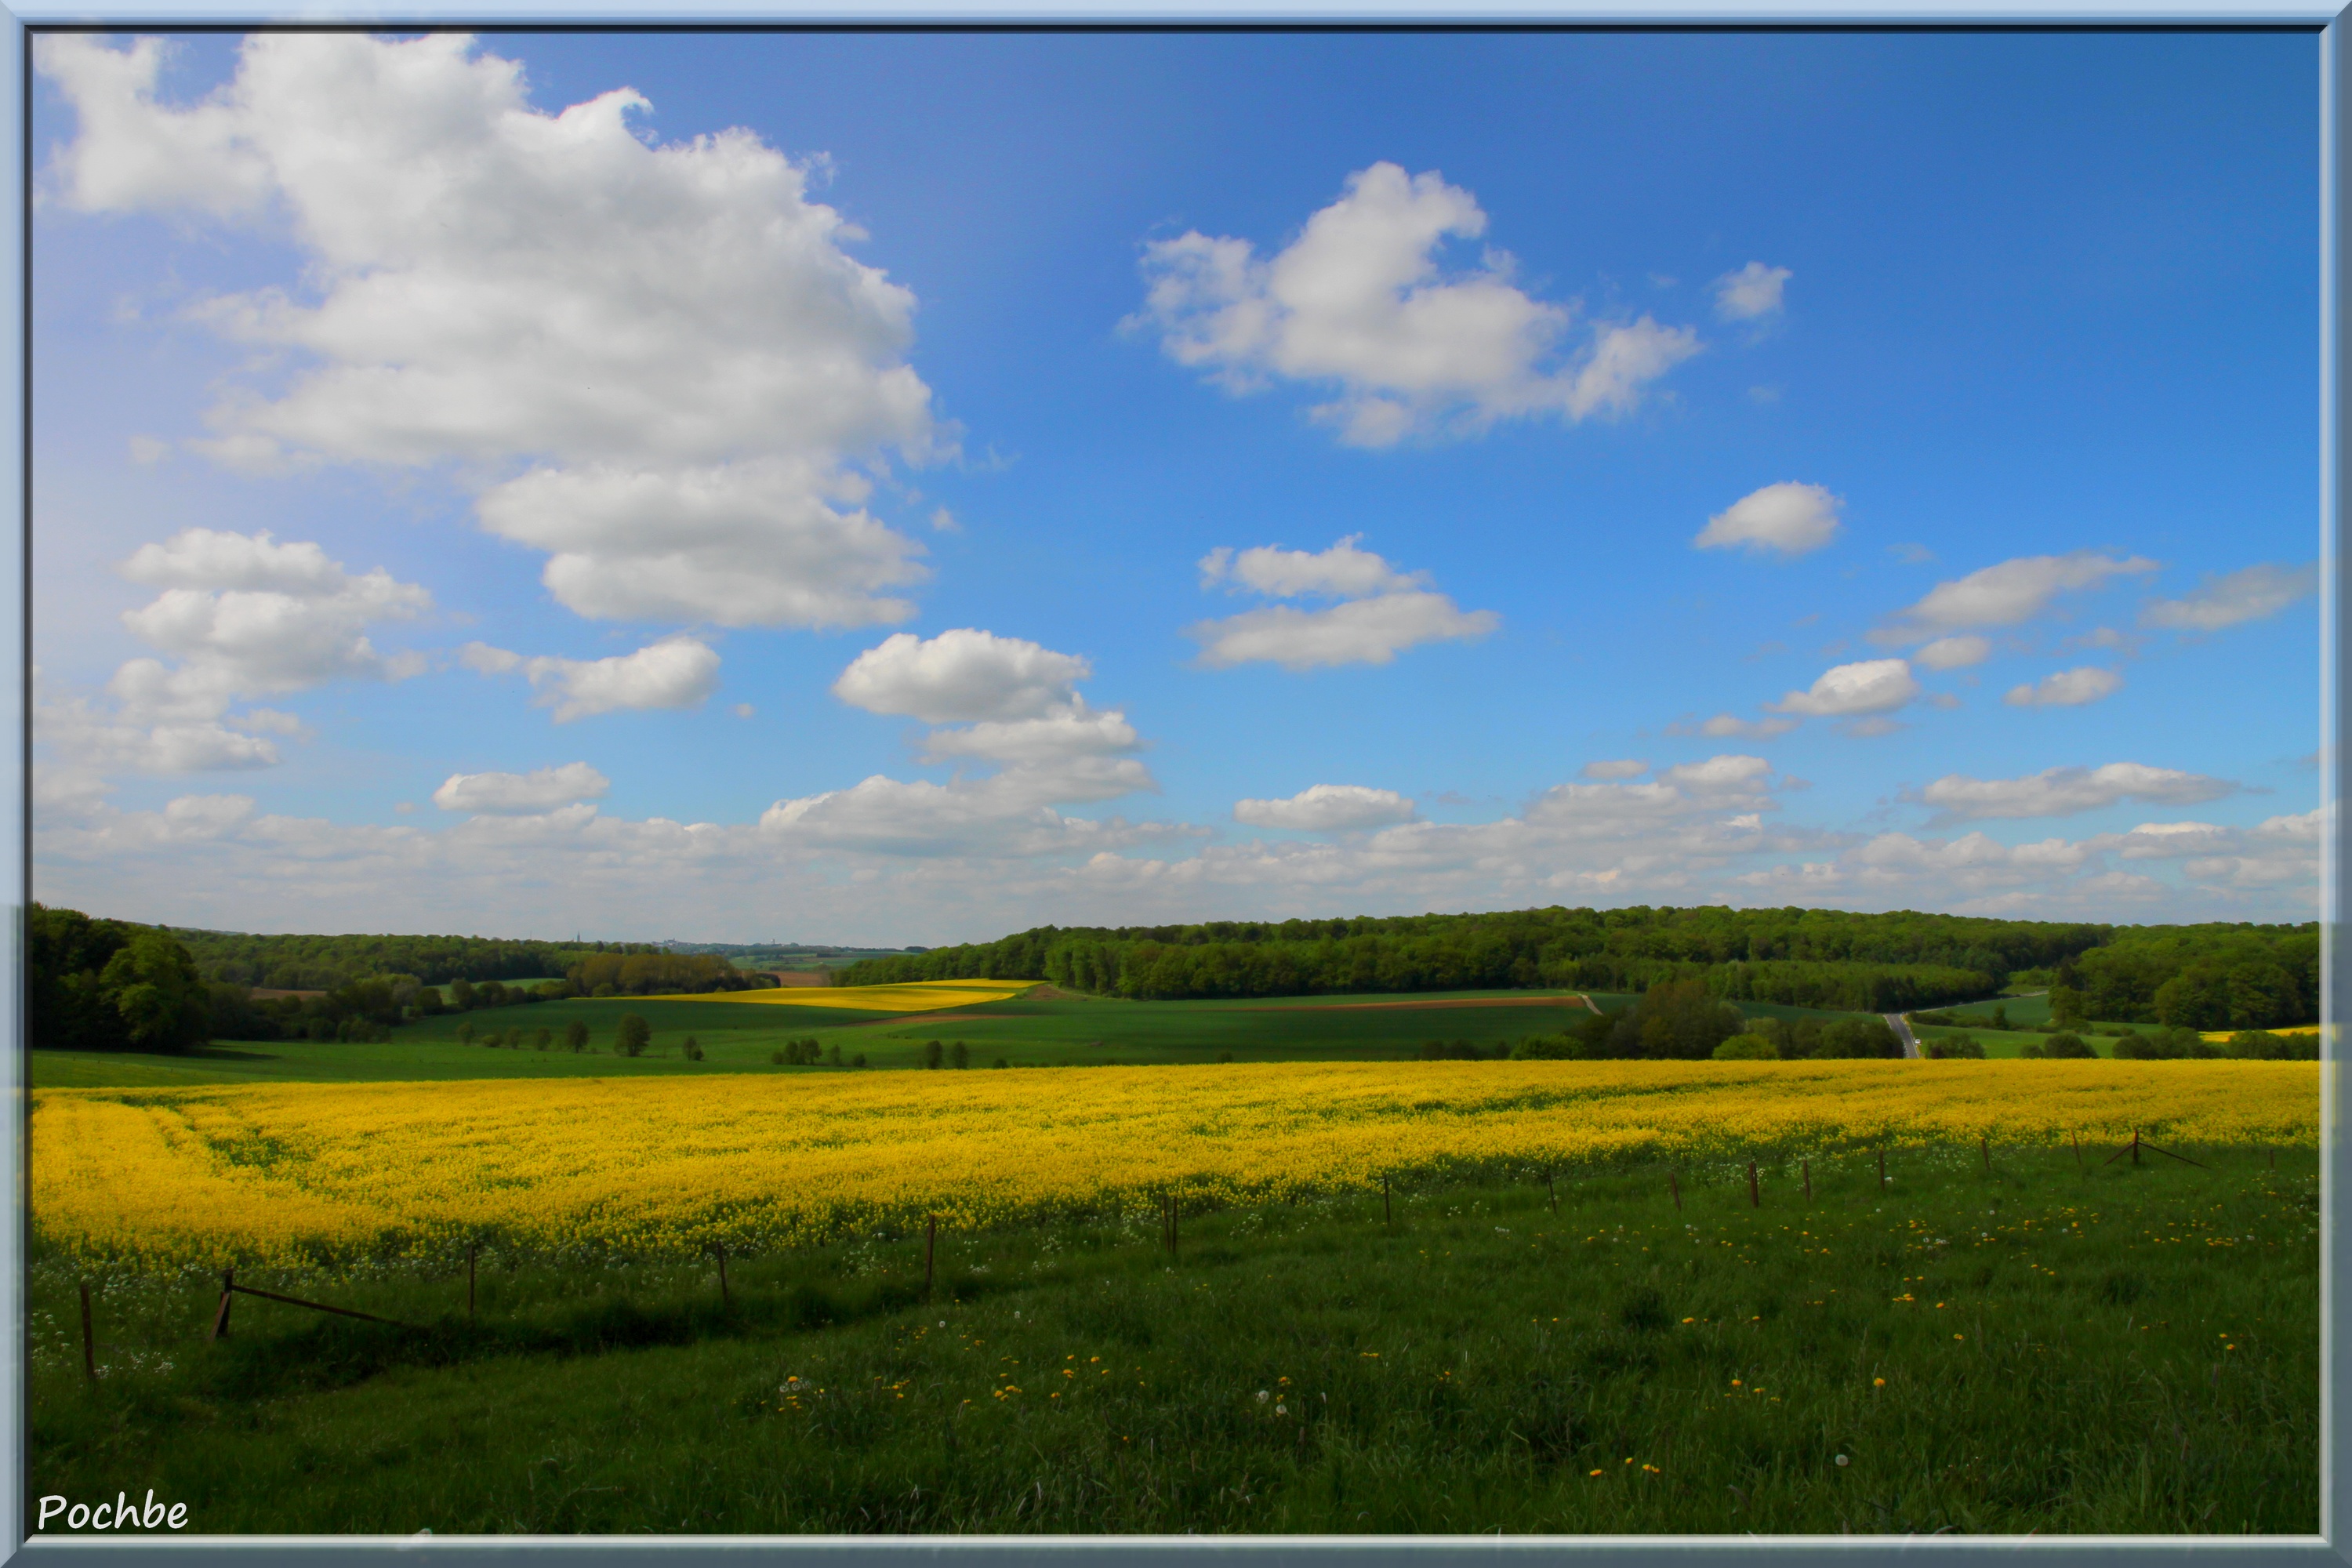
<point x="1360" y="301"/>
<point x="244" y="615"/>
<point x="2247" y="594"/>
<point x="660" y="358"/>
<point x="1789" y="517"/>
<point x="676" y="672"/>
<point x="1018" y="707"/>
<point x="2063" y="791"/>
<point x="1751" y="293"/>
<point x="543" y="789"/>
<point x="1328" y="809"/>
<point x="239" y="615"/>
<point x="1620" y="768"/>
<point x="1848" y="690"/>
<point x="1954" y="653"/>
<point x="2066" y="688"/>
<point x="2006" y="595"/>
<point x="961" y="676"/>
<point x="1384" y="611"/>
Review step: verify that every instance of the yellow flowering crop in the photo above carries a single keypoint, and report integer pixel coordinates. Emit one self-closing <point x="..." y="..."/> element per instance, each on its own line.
<point x="295" y="1172"/>
<point x="2218" y="1036"/>
<point x="916" y="996"/>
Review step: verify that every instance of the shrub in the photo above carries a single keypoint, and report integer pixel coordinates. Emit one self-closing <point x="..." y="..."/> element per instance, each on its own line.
<point x="1956" y="1047"/>
<point x="1747" y="1049"/>
<point x="464" y="1033"/>
<point x="691" y="1050"/>
<point x="1449" y="1051"/>
<point x="776" y="1056"/>
<point x="575" y="1036"/>
<point x="543" y="1038"/>
<point x="933" y="1054"/>
<point x="2068" y="1043"/>
<point x="856" y="1061"/>
<point x="1001" y="1061"/>
<point x="2032" y="1050"/>
<point x="633" y="1035"/>
<point x="957" y="1056"/>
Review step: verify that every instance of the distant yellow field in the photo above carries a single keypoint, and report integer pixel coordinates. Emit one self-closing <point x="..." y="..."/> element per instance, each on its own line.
<point x="289" y="1173"/>
<point x="918" y="996"/>
<point x="2218" y="1036"/>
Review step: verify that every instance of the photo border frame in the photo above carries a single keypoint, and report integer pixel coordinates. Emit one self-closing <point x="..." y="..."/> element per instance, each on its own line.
<point x="2333" y="31"/>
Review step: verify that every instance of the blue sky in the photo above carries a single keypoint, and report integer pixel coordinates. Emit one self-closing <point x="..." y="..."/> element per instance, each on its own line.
<point x="787" y="504"/>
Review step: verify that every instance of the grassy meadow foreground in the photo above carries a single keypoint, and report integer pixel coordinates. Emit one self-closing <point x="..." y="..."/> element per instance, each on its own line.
<point x="1449" y="1297"/>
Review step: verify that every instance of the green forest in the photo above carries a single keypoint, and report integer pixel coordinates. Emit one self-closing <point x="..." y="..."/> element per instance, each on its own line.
<point x="324" y="962"/>
<point x="2203" y="976"/>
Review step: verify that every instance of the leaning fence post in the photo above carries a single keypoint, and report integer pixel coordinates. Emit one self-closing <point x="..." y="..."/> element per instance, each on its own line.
<point x="1754" y="1201"/>
<point x="1984" y="1147"/>
<point x="88" y="1347"/>
<point x="1550" y="1191"/>
<point x="2134" y="1145"/>
<point x="228" y="1294"/>
<point x="1674" y="1190"/>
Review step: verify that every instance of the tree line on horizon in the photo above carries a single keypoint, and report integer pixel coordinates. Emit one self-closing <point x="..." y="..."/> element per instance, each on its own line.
<point x="2212" y="976"/>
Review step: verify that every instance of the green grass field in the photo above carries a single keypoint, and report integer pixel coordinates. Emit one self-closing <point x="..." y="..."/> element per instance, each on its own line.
<point x="2123" y="1351"/>
<point x="742" y="1036"/>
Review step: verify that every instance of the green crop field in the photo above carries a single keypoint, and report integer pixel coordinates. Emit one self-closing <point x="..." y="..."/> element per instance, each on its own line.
<point x="738" y="1036"/>
<point x="2030" y="1349"/>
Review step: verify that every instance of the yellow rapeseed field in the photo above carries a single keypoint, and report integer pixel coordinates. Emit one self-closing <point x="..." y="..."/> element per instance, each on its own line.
<point x="320" y="1172"/>
<point x="916" y="996"/>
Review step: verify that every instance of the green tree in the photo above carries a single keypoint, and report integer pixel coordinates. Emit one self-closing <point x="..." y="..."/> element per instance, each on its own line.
<point x="633" y="1035"/>
<point x="575" y="1037"/>
<point x="153" y="985"/>
<point x="461" y="996"/>
<point x="957" y="1056"/>
<point x="1747" y="1049"/>
<point x="691" y="1050"/>
<point x="931" y="1053"/>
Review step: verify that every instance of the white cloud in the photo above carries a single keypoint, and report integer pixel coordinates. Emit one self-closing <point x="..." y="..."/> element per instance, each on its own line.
<point x="1386" y="611"/>
<point x="2066" y="688"/>
<point x="746" y="544"/>
<point x="658" y="356"/>
<point x="2006" y="595"/>
<point x="1080" y="733"/>
<point x="1751" y="293"/>
<point x="1623" y="768"/>
<point x="543" y="789"/>
<point x="240" y="615"/>
<point x="1845" y="690"/>
<point x="2062" y="791"/>
<point x="997" y="817"/>
<point x="1359" y="300"/>
<point x="1342" y="572"/>
<point x="1954" y="653"/>
<point x="2247" y="594"/>
<point x="1328" y="809"/>
<point x="1789" y="517"/>
<point x="961" y="676"/>
<point x="1720" y="773"/>
<point x="246" y="616"/>
<point x="1366" y="631"/>
<point x="676" y="672"/>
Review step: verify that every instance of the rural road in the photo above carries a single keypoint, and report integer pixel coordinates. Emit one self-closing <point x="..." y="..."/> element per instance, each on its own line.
<point x="1895" y="1022"/>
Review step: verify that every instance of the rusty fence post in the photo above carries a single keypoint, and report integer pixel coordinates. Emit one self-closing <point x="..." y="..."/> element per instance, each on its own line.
<point x="1674" y="1191"/>
<point x="1754" y="1201"/>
